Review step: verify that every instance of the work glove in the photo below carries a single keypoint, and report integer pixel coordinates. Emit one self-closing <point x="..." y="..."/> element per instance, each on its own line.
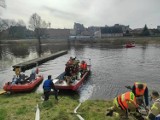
<point x="109" y="113"/>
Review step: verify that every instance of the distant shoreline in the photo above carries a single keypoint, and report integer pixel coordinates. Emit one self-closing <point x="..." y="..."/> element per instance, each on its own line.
<point x="120" y="40"/>
<point x="137" y="40"/>
<point x="33" y="41"/>
<point x="109" y="40"/>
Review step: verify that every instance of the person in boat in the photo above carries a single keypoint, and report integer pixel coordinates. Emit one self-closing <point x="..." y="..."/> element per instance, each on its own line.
<point x="83" y="67"/>
<point x="140" y="90"/>
<point x="154" y="111"/>
<point x="21" y="78"/>
<point x="32" y="75"/>
<point x="75" y="69"/>
<point x="133" y="42"/>
<point x="123" y="104"/>
<point x="68" y="73"/>
<point x="37" y="70"/>
<point x="70" y="61"/>
<point x="76" y="65"/>
<point x="47" y="86"/>
<point x="129" y="43"/>
<point x="14" y="80"/>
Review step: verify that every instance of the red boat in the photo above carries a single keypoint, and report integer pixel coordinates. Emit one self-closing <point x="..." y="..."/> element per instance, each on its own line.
<point x="130" y="45"/>
<point x="61" y="84"/>
<point x="26" y="86"/>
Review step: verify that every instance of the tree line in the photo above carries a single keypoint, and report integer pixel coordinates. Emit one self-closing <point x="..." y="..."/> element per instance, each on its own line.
<point x="11" y="29"/>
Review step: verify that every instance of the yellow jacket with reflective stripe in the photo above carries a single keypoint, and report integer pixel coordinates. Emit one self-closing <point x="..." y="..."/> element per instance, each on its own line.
<point x="155" y="109"/>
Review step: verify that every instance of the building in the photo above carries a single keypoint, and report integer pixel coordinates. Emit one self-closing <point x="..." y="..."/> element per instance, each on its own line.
<point x="108" y="31"/>
<point x="57" y="33"/>
<point x="94" y="30"/>
<point x="124" y="28"/>
<point x="78" y="28"/>
<point x="136" y="32"/>
<point x="111" y="32"/>
<point x="97" y="34"/>
<point x="154" y="32"/>
<point x="72" y="32"/>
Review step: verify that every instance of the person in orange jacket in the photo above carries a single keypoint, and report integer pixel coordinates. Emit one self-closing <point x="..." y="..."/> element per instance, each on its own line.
<point x="83" y="67"/>
<point x="123" y="104"/>
<point x="140" y="90"/>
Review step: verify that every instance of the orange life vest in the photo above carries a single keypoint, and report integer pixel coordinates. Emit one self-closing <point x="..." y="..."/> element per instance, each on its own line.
<point x="83" y="66"/>
<point x="125" y="98"/>
<point x="139" y="92"/>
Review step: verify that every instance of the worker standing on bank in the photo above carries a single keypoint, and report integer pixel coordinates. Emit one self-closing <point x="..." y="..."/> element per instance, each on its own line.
<point x="140" y="91"/>
<point x="47" y="86"/>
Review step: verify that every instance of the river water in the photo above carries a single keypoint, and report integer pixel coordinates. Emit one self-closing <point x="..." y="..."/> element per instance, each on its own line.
<point x="113" y="67"/>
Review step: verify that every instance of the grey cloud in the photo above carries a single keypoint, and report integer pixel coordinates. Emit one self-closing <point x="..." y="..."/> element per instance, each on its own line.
<point x="68" y="16"/>
<point x="83" y="5"/>
<point x="132" y="12"/>
<point x="60" y="14"/>
<point x="92" y="12"/>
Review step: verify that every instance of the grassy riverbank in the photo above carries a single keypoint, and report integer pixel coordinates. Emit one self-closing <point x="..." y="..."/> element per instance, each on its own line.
<point x="120" y="40"/>
<point x="23" y="107"/>
<point x="109" y="40"/>
<point x="35" y="41"/>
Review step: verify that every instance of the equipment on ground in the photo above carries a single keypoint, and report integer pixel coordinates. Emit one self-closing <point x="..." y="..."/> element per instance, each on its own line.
<point x="2" y="92"/>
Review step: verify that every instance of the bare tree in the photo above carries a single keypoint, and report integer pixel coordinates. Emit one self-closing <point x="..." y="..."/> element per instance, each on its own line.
<point x="38" y="25"/>
<point x="35" y="21"/>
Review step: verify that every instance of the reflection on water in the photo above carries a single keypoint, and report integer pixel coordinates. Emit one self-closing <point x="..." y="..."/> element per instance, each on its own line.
<point x="13" y="54"/>
<point x="113" y="67"/>
<point x="86" y="91"/>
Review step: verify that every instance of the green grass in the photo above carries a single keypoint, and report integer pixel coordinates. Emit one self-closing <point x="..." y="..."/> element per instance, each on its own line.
<point x="95" y="110"/>
<point x="3" y="113"/>
<point x="33" y="41"/>
<point x="23" y="107"/>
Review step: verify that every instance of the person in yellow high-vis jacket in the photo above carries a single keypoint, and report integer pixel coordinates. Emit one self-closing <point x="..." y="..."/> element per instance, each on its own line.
<point x="155" y="108"/>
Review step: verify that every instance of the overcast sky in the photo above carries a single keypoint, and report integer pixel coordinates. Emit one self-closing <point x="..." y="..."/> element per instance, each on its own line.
<point x="63" y="13"/>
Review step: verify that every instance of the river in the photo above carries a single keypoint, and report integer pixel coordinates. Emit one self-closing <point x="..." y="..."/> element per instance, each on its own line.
<point x="113" y="66"/>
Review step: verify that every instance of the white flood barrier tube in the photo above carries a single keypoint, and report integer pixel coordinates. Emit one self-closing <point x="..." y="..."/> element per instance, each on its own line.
<point x="37" y="117"/>
<point x="80" y="117"/>
<point x="75" y="111"/>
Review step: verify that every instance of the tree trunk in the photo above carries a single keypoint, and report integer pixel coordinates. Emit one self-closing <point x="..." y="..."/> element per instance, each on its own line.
<point x="39" y="47"/>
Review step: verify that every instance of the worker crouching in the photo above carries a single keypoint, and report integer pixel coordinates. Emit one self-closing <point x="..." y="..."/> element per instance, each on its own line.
<point x="123" y="104"/>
